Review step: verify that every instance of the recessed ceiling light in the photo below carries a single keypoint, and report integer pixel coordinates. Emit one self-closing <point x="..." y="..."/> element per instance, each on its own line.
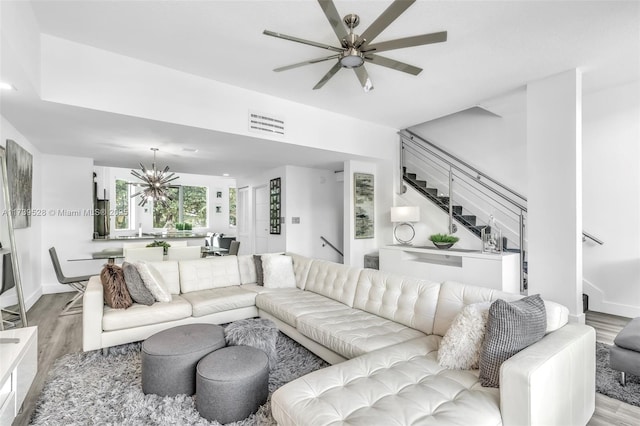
<point x="190" y="149"/>
<point x="225" y="174"/>
<point x="6" y="86"/>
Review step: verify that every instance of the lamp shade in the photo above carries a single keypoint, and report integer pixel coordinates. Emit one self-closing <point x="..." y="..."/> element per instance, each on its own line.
<point x="405" y="214"/>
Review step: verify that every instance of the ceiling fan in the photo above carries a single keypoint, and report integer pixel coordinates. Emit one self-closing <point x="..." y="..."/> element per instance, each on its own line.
<point x="356" y="49"/>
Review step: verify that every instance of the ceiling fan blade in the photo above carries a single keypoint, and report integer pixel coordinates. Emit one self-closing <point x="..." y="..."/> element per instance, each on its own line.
<point x="330" y="11"/>
<point x="363" y="76"/>
<point x="401" y="43"/>
<point x="328" y="75"/>
<point x="300" y="64"/>
<point x="303" y="41"/>
<point x="388" y="16"/>
<point x="393" y="64"/>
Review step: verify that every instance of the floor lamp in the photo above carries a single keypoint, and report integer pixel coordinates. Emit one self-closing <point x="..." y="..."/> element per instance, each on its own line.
<point x="403" y="216"/>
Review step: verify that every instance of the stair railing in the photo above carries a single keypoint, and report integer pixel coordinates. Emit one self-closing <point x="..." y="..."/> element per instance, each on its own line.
<point x="500" y="194"/>
<point x="325" y="241"/>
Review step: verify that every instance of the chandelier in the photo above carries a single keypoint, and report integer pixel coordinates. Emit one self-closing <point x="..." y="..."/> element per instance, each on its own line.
<point x="155" y="183"/>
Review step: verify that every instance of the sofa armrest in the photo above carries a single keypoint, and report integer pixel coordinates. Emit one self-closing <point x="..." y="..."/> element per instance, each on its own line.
<point x="552" y="382"/>
<point x="92" y="310"/>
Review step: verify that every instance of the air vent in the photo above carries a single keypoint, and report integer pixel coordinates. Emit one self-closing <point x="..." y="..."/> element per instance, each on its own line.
<point x="265" y="123"/>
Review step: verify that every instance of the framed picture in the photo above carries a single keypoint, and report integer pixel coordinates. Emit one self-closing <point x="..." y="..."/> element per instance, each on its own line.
<point x="20" y="179"/>
<point x="363" y="205"/>
<point x="219" y="194"/>
<point x="274" y="206"/>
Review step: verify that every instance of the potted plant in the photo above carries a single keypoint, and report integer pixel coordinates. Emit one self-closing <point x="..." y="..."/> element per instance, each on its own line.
<point x="156" y="243"/>
<point x="443" y="241"/>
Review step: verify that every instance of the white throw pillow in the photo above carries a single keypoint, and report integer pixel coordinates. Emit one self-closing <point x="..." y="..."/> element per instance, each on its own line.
<point x="153" y="281"/>
<point x="460" y="347"/>
<point x="278" y="272"/>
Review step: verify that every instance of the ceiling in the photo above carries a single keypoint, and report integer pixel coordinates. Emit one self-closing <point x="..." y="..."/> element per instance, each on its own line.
<point x="493" y="48"/>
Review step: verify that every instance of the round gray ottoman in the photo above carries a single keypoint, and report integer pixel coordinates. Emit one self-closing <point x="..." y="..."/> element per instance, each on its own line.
<point x="170" y="357"/>
<point x="232" y="383"/>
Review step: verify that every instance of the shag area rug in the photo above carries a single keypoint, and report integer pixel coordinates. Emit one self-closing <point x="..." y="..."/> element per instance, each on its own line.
<point x="92" y="389"/>
<point x="608" y="380"/>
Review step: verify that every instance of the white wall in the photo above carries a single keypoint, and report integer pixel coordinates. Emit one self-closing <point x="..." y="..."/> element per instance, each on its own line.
<point x="67" y="196"/>
<point x="496" y="145"/>
<point x="554" y="139"/>
<point x="314" y="196"/>
<point x="27" y="239"/>
<point x="356" y="249"/>
<point x="275" y="242"/>
<point x="611" y="203"/>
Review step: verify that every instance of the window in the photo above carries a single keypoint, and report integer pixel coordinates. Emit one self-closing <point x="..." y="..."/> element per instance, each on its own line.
<point x="123" y="204"/>
<point x="232" y="207"/>
<point x="189" y="205"/>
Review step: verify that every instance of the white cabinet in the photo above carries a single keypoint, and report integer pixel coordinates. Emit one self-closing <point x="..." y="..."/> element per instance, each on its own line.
<point x="18" y="367"/>
<point x="498" y="271"/>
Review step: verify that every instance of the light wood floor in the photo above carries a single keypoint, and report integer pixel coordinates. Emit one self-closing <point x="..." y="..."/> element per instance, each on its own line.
<point x="60" y="335"/>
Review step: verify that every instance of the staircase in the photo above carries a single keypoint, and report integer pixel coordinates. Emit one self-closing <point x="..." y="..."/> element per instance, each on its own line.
<point x="464" y="193"/>
<point x="466" y="220"/>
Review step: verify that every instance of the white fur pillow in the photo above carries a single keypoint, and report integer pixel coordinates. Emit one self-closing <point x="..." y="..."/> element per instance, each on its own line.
<point x="278" y="272"/>
<point x="153" y="281"/>
<point x="460" y="347"/>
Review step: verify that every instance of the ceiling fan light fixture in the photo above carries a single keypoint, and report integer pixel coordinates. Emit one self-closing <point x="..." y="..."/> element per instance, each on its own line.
<point x="351" y="58"/>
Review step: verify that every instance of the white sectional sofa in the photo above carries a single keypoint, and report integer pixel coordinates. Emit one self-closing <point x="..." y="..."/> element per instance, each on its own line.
<point x="381" y="331"/>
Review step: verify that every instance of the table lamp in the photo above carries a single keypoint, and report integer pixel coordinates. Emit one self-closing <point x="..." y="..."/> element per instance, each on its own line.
<point x="403" y="216"/>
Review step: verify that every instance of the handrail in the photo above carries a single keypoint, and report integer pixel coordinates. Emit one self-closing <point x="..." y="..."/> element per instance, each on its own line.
<point x="464" y="163"/>
<point x="461" y="170"/>
<point x="586" y="235"/>
<point x="331" y="245"/>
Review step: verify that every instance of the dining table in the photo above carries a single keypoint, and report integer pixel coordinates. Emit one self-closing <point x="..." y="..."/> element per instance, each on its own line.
<point x="111" y="254"/>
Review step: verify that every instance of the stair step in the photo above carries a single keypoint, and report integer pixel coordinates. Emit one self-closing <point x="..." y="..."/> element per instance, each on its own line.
<point x="422" y="183"/>
<point x="432" y="191"/>
<point x="468" y="219"/>
<point x="411" y="176"/>
<point x="477" y="229"/>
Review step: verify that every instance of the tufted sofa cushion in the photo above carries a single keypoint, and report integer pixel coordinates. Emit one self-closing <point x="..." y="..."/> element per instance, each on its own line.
<point x="399" y="385"/>
<point x="247" y="269"/>
<point x="352" y="332"/>
<point x="408" y="301"/>
<point x="301" y="266"/>
<point x="140" y="315"/>
<point x="333" y="280"/>
<point x="205" y="302"/>
<point x="212" y="272"/>
<point x="289" y="304"/>
<point x="454" y="297"/>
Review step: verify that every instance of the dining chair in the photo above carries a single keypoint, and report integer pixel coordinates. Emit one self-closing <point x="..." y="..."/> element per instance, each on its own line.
<point x="151" y="254"/>
<point x="184" y="253"/>
<point x="233" y="248"/>
<point x="127" y="246"/>
<point x="78" y="283"/>
<point x="7" y="284"/>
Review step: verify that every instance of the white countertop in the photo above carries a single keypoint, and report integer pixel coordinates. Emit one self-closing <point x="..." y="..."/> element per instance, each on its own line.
<point x="10" y="353"/>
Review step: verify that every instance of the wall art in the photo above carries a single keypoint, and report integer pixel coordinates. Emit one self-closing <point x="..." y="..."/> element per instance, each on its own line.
<point x="363" y="205"/>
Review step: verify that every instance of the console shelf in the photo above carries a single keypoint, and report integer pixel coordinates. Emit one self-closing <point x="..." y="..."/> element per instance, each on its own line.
<point x="498" y="271"/>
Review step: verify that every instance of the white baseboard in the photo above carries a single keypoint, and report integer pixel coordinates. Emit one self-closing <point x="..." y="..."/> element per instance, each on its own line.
<point x="598" y="303"/>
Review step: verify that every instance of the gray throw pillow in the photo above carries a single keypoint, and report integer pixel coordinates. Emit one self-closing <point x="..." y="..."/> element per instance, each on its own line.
<point x="511" y="327"/>
<point x="257" y="259"/>
<point x="138" y="291"/>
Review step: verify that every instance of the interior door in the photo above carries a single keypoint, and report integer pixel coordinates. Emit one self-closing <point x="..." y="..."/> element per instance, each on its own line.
<point x="261" y="219"/>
